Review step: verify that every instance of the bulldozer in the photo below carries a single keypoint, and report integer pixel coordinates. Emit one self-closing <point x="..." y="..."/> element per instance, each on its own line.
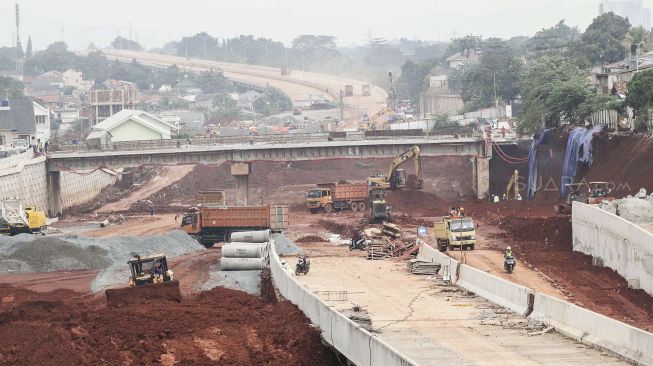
<point x="379" y="209"/>
<point x="398" y="178"/>
<point x="599" y="192"/>
<point x="575" y="195"/>
<point x="150" y="279"/>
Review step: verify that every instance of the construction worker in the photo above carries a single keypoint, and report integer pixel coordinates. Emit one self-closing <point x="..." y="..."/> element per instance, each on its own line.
<point x="508" y="252"/>
<point x="461" y="212"/>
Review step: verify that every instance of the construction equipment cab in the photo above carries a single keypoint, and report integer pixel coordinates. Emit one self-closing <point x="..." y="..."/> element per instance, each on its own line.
<point x="379" y="209"/>
<point x="150" y="269"/>
<point x="455" y="233"/>
<point x="36" y="219"/>
<point x="598" y="192"/>
<point x="575" y="195"/>
<point x="398" y="178"/>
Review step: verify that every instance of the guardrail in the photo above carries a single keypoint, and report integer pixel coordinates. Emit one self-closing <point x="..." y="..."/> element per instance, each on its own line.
<point x="356" y="343"/>
<point x="242" y="140"/>
<point x="583" y="325"/>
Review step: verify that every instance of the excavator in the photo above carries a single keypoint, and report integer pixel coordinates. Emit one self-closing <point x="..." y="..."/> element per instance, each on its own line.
<point x="397" y="178"/>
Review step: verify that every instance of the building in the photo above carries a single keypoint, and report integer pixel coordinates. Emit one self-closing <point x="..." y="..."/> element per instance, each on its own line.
<point x="184" y="120"/>
<point x="186" y="86"/>
<point x="128" y="125"/>
<point x="634" y="10"/>
<point x="17" y="121"/>
<point x="462" y="58"/>
<point x="111" y="98"/>
<point x="74" y="79"/>
<point x="439" y="99"/>
<point x="42" y="120"/>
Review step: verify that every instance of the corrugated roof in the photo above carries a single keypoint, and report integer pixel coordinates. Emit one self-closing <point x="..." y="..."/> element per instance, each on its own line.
<point x="19" y="117"/>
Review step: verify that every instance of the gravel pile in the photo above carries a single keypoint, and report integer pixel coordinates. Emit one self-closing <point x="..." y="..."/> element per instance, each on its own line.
<point x="247" y="281"/>
<point x="284" y="245"/>
<point x="635" y="210"/>
<point x="30" y="253"/>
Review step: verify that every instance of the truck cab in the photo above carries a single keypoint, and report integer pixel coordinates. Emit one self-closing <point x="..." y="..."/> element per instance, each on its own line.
<point x="318" y="198"/>
<point x="455" y="233"/>
<point x="190" y="223"/>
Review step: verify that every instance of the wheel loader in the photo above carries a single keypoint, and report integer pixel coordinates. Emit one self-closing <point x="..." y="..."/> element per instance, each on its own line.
<point x="150" y="279"/>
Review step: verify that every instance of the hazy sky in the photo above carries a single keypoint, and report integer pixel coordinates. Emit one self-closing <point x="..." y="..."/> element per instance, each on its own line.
<point x="155" y="22"/>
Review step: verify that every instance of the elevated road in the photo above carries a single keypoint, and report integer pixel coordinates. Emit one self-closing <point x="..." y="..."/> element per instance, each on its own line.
<point x="298" y="85"/>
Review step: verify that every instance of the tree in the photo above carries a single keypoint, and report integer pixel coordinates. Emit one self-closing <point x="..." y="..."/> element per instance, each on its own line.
<point x="7" y="58"/>
<point x="637" y="36"/>
<point x="602" y="41"/>
<point x="464" y="45"/>
<point x="212" y="82"/>
<point x="226" y="106"/>
<point x="12" y="87"/>
<point x="272" y="102"/>
<point x="497" y="72"/>
<point x="555" y="90"/>
<point x="55" y="57"/>
<point x="200" y="45"/>
<point x="95" y="66"/>
<point x="553" y="41"/>
<point x="412" y="80"/>
<point x="640" y="95"/>
<point x="28" y="50"/>
<point x="122" y="43"/>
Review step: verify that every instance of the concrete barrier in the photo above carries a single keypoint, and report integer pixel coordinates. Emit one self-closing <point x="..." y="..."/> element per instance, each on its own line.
<point x="618" y="244"/>
<point x="242" y="264"/>
<point x="428" y="253"/>
<point x="594" y="329"/>
<point x="501" y="292"/>
<point x="354" y="342"/>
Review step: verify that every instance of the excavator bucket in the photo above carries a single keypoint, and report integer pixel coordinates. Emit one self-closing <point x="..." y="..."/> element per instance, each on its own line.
<point x="414" y="182"/>
<point x="143" y="294"/>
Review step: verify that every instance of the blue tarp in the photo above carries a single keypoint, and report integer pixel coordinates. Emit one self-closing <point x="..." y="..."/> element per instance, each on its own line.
<point x="579" y="149"/>
<point x="532" y="163"/>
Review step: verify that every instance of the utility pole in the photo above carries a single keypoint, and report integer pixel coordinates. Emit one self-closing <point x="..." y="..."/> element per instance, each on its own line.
<point x="496" y="101"/>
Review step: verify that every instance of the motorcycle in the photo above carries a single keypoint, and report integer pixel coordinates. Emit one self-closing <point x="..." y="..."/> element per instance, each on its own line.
<point x="509" y="264"/>
<point x="303" y="265"/>
<point x="359" y="244"/>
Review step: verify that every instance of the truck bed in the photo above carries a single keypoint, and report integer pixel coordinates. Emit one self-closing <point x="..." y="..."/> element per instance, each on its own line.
<point x="348" y="191"/>
<point x="273" y="217"/>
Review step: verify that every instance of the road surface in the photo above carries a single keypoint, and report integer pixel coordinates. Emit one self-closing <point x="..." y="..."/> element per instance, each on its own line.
<point x="299" y="85"/>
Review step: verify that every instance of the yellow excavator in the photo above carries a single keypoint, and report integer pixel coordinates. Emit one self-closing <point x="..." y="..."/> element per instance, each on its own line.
<point x="397" y="178"/>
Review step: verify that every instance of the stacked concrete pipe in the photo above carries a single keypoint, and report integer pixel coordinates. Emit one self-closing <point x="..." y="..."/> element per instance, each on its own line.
<point x="249" y="250"/>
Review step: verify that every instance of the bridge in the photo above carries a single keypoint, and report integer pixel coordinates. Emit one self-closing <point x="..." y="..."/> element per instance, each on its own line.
<point x="289" y="149"/>
<point x="298" y="85"/>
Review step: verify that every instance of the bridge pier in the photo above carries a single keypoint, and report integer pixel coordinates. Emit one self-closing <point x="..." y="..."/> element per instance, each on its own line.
<point x="241" y="172"/>
<point x="54" y="193"/>
<point x="482" y="177"/>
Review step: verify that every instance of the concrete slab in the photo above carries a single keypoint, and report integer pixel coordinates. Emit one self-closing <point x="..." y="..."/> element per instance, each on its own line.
<point x="435" y="324"/>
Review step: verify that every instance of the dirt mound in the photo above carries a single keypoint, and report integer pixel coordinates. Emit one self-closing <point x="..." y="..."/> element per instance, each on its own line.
<point x="310" y="239"/>
<point x="145" y="294"/>
<point x="221" y="326"/>
<point x="553" y="231"/>
<point x="345" y="231"/>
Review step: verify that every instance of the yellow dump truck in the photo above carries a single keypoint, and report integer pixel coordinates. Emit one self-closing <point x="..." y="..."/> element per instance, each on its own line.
<point x="455" y="233"/>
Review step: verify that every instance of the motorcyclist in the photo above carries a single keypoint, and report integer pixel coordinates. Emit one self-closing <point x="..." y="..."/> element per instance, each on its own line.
<point x="509" y="253"/>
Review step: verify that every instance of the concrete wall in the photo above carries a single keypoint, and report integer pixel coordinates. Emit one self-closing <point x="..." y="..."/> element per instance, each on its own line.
<point x="78" y="189"/>
<point x="620" y="245"/>
<point x="594" y="329"/>
<point x="583" y="325"/>
<point x="26" y="178"/>
<point x="354" y="342"/>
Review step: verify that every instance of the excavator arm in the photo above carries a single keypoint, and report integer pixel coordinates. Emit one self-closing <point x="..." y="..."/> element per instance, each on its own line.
<point x="414" y="153"/>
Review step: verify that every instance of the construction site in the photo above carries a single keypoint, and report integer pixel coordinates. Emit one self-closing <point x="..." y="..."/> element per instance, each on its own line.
<point x="334" y="227"/>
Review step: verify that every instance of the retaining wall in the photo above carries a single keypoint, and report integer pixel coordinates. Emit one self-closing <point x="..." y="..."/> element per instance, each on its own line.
<point x="620" y="244"/>
<point x="354" y="342"/>
<point x="583" y="325"/>
<point x="594" y="329"/>
<point x="26" y="178"/>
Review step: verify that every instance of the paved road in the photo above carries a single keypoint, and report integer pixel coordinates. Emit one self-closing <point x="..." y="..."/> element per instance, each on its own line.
<point x="298" y="85"/>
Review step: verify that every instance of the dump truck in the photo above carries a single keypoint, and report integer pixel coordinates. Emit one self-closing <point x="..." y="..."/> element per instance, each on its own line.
<point x="349" y="90"/>
<point x="366" y="90"/>
<point x="150" y="280"/>
<point x="337" y="196"/>
<point x="455" y="233"/>
<point x="212" y="224"/>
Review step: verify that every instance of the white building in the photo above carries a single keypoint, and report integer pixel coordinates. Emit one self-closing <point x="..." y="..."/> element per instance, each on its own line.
<point x="634" y="10"/>
<point x="129" y="125"/>
<point x="42" y="119"/>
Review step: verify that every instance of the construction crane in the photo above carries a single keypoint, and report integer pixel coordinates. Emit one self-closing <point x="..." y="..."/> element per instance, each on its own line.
<point x="390" y="109"/>
<point x="397" y="178"/>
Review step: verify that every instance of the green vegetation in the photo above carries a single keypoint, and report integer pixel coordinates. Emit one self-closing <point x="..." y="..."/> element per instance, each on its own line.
<point x="10" y="88"/>
<point x="122" y="43"/>
<point x="640" y="98"/>
<point x="272" y="102"/>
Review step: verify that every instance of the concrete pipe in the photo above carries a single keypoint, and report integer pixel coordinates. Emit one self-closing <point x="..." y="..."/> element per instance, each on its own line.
<point x="251" y="236"/>
<point x="242" y="264"/>
<point x="248" y="250"/>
